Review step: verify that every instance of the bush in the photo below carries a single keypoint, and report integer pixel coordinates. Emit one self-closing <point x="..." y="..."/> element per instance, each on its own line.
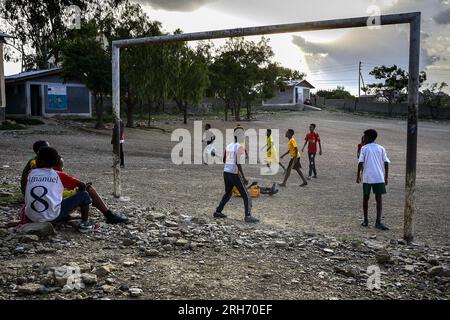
<point x="8" y="125"/>
<point x="338" y="93"/>
<point x="27" y="121"/>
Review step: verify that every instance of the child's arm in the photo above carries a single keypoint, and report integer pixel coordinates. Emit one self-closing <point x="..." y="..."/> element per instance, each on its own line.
<point x="360" y="169"/>
<point x="320" y="148"/>
<point x="70" y="182"/>
<point x="23" y="179"/>
<point x="284" y="155"/>
<point x="306" y="142"/>
<point x="386" y="172"/>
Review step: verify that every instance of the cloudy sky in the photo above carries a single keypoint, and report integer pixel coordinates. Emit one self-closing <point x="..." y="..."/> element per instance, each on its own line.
<point x="329" y="58"/>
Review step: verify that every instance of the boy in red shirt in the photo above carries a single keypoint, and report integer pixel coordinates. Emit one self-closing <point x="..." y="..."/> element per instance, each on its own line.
<point x="312" y="138"/>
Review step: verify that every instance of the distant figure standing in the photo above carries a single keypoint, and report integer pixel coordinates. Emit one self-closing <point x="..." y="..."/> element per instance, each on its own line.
<point x="374" y="166"/>
<point x="209" y="138"/>
<point x="312" y="138"/>
<point x="121" y="141"/>
<point x="360" y="145"/>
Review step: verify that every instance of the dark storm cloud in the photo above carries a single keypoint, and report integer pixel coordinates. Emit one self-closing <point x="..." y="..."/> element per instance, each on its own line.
<point x="176" y="5"/>
<point x="442" y="17"/>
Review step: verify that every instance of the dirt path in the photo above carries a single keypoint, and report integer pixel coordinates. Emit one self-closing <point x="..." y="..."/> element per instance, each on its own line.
<point x="330" y="205"/>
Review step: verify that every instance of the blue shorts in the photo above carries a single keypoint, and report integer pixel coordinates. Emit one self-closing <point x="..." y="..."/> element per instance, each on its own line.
<point x="80" y="199"/>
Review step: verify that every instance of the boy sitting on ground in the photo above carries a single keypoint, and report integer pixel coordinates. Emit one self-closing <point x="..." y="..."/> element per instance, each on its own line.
<point x="97" y="201"/>
<point x="44" y="190"/>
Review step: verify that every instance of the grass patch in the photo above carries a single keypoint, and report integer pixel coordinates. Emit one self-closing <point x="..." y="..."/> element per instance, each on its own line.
<point x="11" y="126"/>
<point x="27" y="121"/>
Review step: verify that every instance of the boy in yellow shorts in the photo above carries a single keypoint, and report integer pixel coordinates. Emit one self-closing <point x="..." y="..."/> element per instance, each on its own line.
<point x="295" y="159"/>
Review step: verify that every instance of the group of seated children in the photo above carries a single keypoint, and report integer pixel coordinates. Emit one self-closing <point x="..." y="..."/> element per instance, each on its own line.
<point x="51" y="194"/>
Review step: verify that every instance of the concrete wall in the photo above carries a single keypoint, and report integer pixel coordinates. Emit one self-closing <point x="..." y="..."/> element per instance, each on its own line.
<point x="16" y="99"/>
<point x="377" y="107"/>
<point x="282" y="97"/>
<point x="78" y="97"/>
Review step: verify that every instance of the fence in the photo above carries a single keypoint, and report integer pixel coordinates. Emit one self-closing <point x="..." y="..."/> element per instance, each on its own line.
<point x="377" y="107"/>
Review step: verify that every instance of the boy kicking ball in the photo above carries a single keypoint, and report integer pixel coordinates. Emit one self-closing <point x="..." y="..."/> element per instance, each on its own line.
<point x="374" y="165"/>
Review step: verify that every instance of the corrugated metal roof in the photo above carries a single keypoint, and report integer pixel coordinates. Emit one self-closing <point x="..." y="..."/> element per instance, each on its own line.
<point x="32" y="74"/>
<point x="299" y="83"/>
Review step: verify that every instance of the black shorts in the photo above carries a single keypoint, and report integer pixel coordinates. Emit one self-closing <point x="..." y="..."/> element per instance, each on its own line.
<point x="295" y="163"/>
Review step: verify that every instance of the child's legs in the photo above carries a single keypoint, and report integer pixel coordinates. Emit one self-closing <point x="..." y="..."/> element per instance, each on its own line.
<point x="310" y="157"/>
<point x="299" y="171"/>
<point x="228" y="191"/>
<point x="379" y="200"/>
<point x="366" y="196"/>
<point x="288" y="171"/>
<point x="80" y="199"/>
<point x="122" y="158"/>
<point x="97" y="201"/>
<point x="312" y="164"/>
<point x="243" y="191"/>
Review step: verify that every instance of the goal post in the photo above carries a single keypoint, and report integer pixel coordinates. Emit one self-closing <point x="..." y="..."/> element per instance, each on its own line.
<point x="412" y="18"/>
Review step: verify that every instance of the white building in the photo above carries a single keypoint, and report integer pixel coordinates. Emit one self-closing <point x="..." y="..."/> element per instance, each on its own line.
<point x="295" y="92"/>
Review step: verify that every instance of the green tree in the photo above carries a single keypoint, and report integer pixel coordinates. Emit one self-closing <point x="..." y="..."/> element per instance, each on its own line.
<point x="242" y="73"/>
<point x="137" y="63"/>
<point x="188" y="75"/>
<point x="433" y="97"/>
<point x="85" y="58"/>
<point x="394" y="85"/>
<point x="40" y="25"/>
<point x="338" y="93"/>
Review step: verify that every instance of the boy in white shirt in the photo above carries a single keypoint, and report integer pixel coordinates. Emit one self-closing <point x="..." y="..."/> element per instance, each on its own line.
<point x="44" y="193"/>
<point x="233" y="176"/>
<point x="374" y="165"/>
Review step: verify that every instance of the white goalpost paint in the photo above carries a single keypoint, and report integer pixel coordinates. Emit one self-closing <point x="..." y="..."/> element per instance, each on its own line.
<point x="413" y="19"/>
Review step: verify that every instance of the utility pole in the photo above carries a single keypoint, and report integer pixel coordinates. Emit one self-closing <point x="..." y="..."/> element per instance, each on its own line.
<point x="359" y="85"/>
<point x="359" y="81"/>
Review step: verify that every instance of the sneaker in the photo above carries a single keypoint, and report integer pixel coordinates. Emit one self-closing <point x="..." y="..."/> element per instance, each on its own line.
<point x="304" y="184"/>
<point x="282" y="185"/>
<point x="365" y="224"/>
<point x="251" y="219"/>
<point x="308" y="178"/>
<point x="114" y="218"/>
<point x="381" y="226"/>
<point x="122" y="166"/>
<point x="315" y="177"/>
<point x="88" y="226"/>
<point x="219" y="215"/>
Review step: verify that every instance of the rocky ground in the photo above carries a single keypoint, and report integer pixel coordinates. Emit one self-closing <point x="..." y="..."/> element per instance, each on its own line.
<point x="174" y="251"/>
<point x="169" y="255"/>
